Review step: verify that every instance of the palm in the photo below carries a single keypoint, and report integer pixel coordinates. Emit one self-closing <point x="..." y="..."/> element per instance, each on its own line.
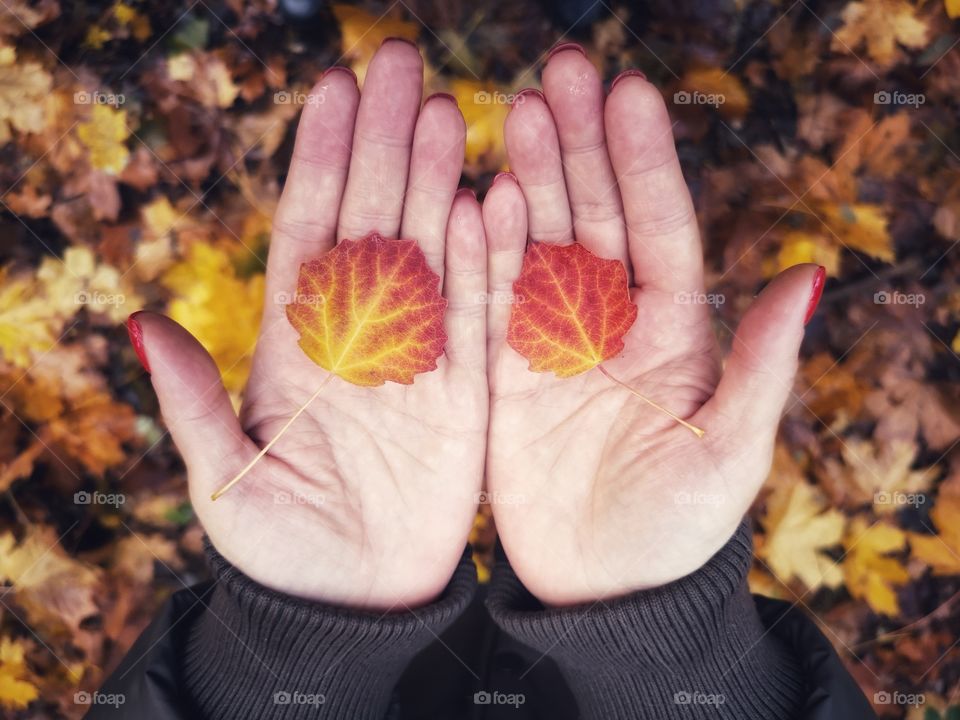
<point x="595" y="492"/>
<point x="368" y="498"/>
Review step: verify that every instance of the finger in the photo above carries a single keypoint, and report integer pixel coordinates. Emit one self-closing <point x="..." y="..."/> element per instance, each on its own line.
<point x="389" y="104"/>
<point x="662" y="234"/>
<point x="575" y="95"/>
<point x="505" y="225"/>
<point x="534" y="152"/>
<point x="193" y="401"/>
<point x="435" y="167"/>
<point x="759" y="373"/>
<point x="306" y="219"/>
<point x="465" y="282"/>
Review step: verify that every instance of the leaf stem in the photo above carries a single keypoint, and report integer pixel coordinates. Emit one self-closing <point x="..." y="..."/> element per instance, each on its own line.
<point x="692" y="428"/>
<point x="266" y="448"/>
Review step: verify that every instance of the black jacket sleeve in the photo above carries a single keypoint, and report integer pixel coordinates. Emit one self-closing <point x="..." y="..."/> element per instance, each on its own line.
<point x="233" y="649"/>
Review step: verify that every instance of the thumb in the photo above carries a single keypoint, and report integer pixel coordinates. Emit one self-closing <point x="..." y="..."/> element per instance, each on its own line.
<point x="759" y="372"/>
<point x="195" y="406"/>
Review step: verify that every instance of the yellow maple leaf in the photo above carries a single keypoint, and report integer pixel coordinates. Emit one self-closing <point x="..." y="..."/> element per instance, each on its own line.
<point x="870" y="574"/>
<point x="23" y="90"/>
<point x="16" y="684"/>
<point x="55" y="590"/>
<point x="362" y="34"/>
<point x="105" y="135"/>
<point x="484" y="109"/>
<point x="208" y="75"/>
<point x="798" y="528"/>
<point x="880" y="475"/>
<point x="880" y="25"/>
<point x="29" y="325"/>
<point x="206" y="290"/>
<point x="942" y="551"/>
<point x="858" y="226"/>
<point x="79" y="280"/>
<point x="953" y="8"/>
<point x="802" y="247"/>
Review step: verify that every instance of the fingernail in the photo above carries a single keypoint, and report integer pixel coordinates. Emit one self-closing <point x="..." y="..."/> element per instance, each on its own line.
<point x="135" y="331"/>
<point x="504" y="175"/>
<point x="340" y="68"/>
<point x="399" y="39"/>
<point x="441" y="95"/>
<point x="561" y="47"/>
<point x="819" y="280"/>
<point x="626" y="74"/>
<point x="522" y="96"/>
<point x="467" y="191"/>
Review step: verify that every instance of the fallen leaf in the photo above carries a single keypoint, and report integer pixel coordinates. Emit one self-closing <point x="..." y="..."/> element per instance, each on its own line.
<point x="869" y="571"/>
<point x="23" y="90"/>
<point x="17" y="688"/>
<point x="105" y="135"/>
<point x="570" y="310"/>
<point x="484" y="109"/>
<point x="207" y="289"/>
<point x="370" y="311"/>
<point x="880" y="25"/>
<point x="941" y="551"/>
<point x="55" y="590"/>
<point x="798" y="528"/>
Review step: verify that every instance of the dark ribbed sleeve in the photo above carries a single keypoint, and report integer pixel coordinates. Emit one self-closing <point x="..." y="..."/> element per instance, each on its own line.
<point x="256" y="653"/>
<point x="692" y="649"/>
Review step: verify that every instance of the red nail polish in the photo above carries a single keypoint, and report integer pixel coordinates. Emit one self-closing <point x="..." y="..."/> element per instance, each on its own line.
<point x="135" y="331"/>
<point x="626" y="74"/>
<point x="399" y="39"/>
<point x="443" y="96"/>
<point x="503" y="176"/>
<point x="522" y="96"/>
<point x="340" y="68"/>
<point x="564" y="46"/>
<point x="819" y="280"/>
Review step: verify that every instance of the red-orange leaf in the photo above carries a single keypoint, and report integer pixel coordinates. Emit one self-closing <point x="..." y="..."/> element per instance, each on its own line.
<point x="370" y="311"/>
<point x="571" y="309"/>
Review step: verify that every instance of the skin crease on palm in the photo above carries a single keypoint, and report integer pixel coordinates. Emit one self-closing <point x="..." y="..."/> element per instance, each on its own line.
<point x="368" y="499"/>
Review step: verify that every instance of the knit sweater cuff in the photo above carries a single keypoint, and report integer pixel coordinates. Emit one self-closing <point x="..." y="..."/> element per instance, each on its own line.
<point x="694" y="648"/>
<point x="257" y="653"/>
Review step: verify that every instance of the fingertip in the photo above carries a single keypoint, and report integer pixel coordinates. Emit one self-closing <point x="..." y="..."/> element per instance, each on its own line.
<point x="465" y="232"/>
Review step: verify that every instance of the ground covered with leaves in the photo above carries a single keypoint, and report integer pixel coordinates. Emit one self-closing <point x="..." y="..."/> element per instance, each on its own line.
<point x="144" y="147"/>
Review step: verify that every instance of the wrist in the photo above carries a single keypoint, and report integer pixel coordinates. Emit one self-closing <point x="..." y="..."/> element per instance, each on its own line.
<point x="295" y="656"/>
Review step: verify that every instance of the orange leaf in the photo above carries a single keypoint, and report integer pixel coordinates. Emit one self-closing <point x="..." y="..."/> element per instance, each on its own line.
<point x="571" y="309"/>
<point x="370" y="311"/>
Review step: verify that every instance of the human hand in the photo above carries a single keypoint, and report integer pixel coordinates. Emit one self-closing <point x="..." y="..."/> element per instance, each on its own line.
<point x="595" y="493"/>
<point x="367" y="501"/>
